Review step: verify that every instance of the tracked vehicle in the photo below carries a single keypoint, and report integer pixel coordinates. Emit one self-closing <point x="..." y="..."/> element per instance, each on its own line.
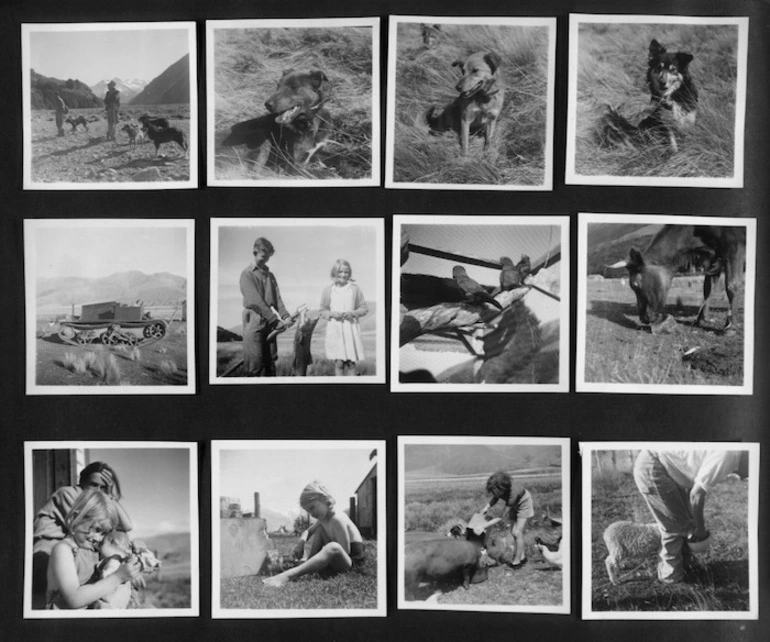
<point x="112" y="323"/>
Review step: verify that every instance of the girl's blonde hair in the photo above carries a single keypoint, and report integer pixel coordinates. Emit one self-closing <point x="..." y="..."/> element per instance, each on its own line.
<point x="315" y="491"/>
<point x="338" y="264"/>
<point x="93" y="507"/>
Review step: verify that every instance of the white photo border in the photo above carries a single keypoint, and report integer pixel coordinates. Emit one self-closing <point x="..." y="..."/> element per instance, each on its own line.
<point x="548" y="170"/>
<point x="736" y="180"/>
<point x="377" y="224"/>
<point x="30" y="256"/>
<point x="29" y="513"/>
<point x="581" y="385"/>
<point x="26" y="92"/>
<point x="297" y="23"/>
<point x="563" y="222"/>
<point x="586" y="450"/>
<point x="217" y="446"/>
<point x="566" y="492"/>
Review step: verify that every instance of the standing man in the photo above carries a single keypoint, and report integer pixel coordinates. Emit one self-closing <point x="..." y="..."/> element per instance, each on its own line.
<point x="61" y="110"/>
<point x="263" y="312"/>
<point x="112" y="106"/>
<point x="674" y="484"/>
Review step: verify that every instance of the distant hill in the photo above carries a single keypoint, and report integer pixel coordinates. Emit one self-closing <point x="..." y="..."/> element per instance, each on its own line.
<point x="172" y="86"/>
<point x="128" y="88"/>
<point x="275" y="520"/>
<point x="161" y="288"/>
<point x="173" y="551"/>
<point x="469" y="460"/>
<point x="76" y="94"/>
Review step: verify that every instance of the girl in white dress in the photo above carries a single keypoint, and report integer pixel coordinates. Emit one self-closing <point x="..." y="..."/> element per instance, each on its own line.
<point x="342" y="305"/>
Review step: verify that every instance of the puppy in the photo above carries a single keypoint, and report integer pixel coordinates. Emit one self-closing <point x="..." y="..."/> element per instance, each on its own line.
<point x="133" y="133"/>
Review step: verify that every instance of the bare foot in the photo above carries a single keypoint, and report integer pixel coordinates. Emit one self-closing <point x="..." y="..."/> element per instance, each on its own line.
<point x="278" y="581"/>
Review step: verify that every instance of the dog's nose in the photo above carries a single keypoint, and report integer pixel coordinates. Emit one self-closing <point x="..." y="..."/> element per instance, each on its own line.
<point x="269" y="105"/>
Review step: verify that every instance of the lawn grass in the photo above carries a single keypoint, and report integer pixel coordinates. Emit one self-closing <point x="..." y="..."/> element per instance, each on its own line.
<point x="356" y="589"/>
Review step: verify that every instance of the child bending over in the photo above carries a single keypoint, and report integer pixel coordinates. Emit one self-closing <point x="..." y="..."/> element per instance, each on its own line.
<point x="518" y="501"/>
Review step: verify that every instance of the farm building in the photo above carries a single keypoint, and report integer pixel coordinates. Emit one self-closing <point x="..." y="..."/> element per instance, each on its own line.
<point x="435" y="249"/>
<point x="363" y="508"/>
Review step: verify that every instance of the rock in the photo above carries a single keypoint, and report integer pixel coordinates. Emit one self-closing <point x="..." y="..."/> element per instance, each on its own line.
<point x="146" y="175"/>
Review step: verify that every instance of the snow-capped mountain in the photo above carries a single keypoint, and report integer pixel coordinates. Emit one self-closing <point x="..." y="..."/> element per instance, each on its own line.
<point x="127" y="88"/>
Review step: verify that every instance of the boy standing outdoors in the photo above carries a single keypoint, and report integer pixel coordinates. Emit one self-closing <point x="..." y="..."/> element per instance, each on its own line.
<point x="263" y="312"/>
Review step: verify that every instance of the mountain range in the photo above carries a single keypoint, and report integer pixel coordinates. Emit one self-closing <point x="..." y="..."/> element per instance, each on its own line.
<point x="161" y="288"/>
<point x="470" y="459"/>
<point x="128" y="88"/>
<point x="172" y="86"/>
<point x="76" y="94"/>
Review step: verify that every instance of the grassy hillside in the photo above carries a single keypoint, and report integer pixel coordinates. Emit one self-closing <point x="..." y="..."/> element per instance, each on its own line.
<point x="426" y="77"/>
<point x="76" y="94"/>
<point x="248" y="65"/>
<point x="612" y="67"/>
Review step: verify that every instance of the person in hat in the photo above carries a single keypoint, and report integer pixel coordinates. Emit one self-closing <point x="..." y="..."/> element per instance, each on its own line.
<point x="674" y="484"/>
<point x="60" y="111"/>
<point x="112" y="106"/>
<point x="263" y="312"/>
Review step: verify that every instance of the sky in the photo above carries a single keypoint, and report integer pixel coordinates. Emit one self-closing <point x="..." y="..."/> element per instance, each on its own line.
<point x="302" y="263"/>
<point x="91" y="56"/>
<point x="93" y="252"/>
<point x="155" y="483"/>
<point x="279" y="475"/>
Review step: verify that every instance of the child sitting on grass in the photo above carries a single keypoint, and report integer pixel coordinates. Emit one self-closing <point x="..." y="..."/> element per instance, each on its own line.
<point x="334" y="541"/>
<point x="518" y="501"/>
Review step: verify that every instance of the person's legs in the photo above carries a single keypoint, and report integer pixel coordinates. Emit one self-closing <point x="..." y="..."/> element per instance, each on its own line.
<point x="519" y="554"/>
<point x="59" y="123"/>
<point x="670" y="506"/>
<point x="251" y="344"/>
<point x="332" y="556"/>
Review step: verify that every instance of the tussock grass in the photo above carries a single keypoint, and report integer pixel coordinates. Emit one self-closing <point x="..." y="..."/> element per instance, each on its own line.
<point x="612" y="67"/>
<point x="168" y="367"/>
<point x="427" y="78"/>
<point x="99" y="364"/>
<point x="249" y="63"/>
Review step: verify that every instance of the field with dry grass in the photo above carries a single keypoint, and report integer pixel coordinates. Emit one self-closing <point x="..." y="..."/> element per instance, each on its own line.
<point x="722" y="584"/>
<point x="163" y="363"/>
<point x="248" y="65"/>
<point x="170" y="586"/>
<point x="356" y="589"/>
<point x="425" y="77"/>
<point x="434" y="506"/>
<point x="612" y="68"/>
<point x="619" y="350"/>
<point x="88" y="157"/>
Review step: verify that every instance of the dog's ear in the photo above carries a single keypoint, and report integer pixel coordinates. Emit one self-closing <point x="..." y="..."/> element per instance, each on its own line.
<point x="635" y="260"/>
<point x="656" y="49"/>
<point x="683" y="59"/>
<point x="493" y="60"/>
<point x="318" y="77"/>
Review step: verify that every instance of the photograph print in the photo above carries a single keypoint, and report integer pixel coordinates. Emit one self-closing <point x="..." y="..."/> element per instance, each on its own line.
<point x="293" y="102"/>
<point x="297" y="301"/>
<point x="298" y="529"/>
<point x="481" y="307"/>
<point x="111" y="529"/>
<point x="656" y="101"/>
<point x="484" y="524"/>
<point x="110" y="105"/>
<point x="470" y="103"/>
<point x="670" y="530"/>
<point x="109" y="306"/>
<point x="665" y="304"/>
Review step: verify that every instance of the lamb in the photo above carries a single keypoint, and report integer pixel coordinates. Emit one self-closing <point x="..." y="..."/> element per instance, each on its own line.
<point x="628" y="540"/>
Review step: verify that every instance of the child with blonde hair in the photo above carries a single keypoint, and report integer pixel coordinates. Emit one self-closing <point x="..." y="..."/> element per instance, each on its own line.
<point x="75" y="557"/>
<point x="334" y="542"/>
<point x="342" y="305"/>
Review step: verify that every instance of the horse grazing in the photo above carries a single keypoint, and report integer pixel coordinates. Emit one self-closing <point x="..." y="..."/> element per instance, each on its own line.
<point x="714" y="249"/>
